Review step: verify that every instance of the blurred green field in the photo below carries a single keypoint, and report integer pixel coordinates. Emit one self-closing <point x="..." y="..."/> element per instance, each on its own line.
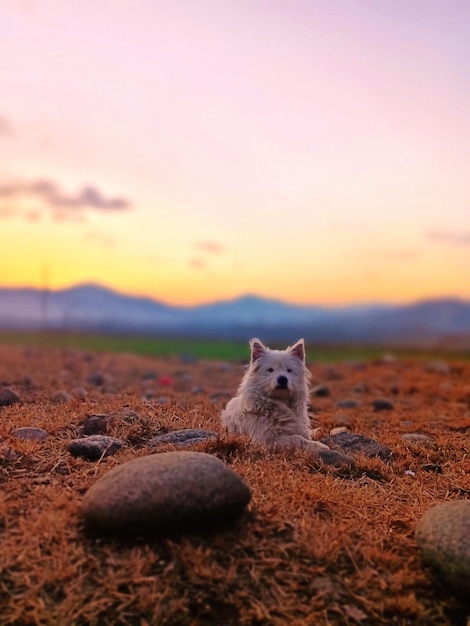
<point x="205" y="349"/>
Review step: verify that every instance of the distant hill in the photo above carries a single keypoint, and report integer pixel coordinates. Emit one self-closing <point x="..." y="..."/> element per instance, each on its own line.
<point x="92" y="307"/>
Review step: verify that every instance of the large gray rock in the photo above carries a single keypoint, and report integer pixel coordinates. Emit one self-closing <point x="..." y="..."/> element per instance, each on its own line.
<point x="165" y="493"/>
<point x="443" y="535"/>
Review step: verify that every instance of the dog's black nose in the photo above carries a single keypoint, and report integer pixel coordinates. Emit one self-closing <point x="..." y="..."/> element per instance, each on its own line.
<point x="282" y="382"/>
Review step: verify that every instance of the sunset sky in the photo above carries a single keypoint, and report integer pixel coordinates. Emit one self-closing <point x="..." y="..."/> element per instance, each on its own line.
<point x="315" y="151"/>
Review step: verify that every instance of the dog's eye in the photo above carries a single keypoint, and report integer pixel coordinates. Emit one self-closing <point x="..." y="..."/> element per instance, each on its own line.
<point x="289" y="371"/>
<point x="270" y="369"/>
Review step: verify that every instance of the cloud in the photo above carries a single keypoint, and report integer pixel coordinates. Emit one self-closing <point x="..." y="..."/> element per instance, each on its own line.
<point x="212" y="247"/>
<point x="449" y="238"/>
<point x="51" y="194"/>
<point x="6" y="129"/>
<point x="197" y="263"/>
<point x="30" y="215"/>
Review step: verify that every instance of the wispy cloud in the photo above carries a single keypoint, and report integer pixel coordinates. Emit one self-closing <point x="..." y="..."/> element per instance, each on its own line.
<point x="450" y="238"/>
<point x="51" y="194"/>
<point x="211" y="247"/>
<point x="6" y="128"/>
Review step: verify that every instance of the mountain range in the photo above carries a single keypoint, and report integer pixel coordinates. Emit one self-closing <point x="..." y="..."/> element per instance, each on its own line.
<point x="93" y="307"/>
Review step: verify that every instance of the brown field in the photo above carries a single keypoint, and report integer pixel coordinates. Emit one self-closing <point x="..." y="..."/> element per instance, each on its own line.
<point x="316" y="546"/>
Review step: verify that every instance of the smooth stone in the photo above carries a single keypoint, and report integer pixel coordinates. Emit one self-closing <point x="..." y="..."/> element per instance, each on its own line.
<point x="94" y="447"/>
<point x="79" y="392"/>
<point x="417" y="438"/>
<point x="8" y="396"/>
<point x="443" y="535"/>
<point x="96" y="379"/>
<point x="321" y="391"/>
<point x="220" y="396"/>
<point x="347" y="404"/>
<point x="150" y="375"/>
<point x="61" y="397"/>
<point x="350" y="443"/>
<point x="165" y="493"/>
<point x="184" y="437"/>
<point x="382" y="404"/>
<point x="30" y="433"/>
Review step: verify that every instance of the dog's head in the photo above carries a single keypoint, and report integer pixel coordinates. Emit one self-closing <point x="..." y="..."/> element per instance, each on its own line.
<point x="278" y="373"/>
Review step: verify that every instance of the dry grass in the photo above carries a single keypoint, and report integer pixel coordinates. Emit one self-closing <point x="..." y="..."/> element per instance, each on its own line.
<point x="317" y="546"/>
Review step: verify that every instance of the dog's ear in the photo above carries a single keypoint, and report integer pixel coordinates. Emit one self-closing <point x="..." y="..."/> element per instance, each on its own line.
<point x="298" y="350"/>
<point x="257" y="349"/>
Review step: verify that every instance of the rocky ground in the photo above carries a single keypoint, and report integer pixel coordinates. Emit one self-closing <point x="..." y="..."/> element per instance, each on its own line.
<point x="92" y="444"/>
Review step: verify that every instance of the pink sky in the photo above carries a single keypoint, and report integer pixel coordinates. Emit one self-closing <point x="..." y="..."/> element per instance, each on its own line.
<point x="314" y="151"/>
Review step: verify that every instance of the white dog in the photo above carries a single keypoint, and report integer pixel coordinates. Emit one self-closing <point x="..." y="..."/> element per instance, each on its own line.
<point x="271" y="403"/>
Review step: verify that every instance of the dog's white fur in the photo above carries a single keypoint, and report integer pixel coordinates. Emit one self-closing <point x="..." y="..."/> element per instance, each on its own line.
<point x="271" y="403"/>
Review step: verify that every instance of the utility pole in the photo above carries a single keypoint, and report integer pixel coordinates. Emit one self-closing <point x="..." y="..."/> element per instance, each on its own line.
<point x="44" y="296"/>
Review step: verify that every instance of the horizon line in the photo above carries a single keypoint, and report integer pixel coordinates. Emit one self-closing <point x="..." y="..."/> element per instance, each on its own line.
<point x="350" y="304"/>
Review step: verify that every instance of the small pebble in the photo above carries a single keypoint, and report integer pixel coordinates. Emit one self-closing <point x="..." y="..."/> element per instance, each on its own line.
<point x="94" y="447"/>
<point x="61" y="397"/>
<point x="382" y="404"/>
<point x="347" y="404"/>
<point x="417" y="437"/>
<point x="97" y="379"/>
<point x="30" y="433"/>
<point x="150" y="375"/>
<point x="185" y="437"/>
<point x="8" y="396"/>
<point x="220" y="396"/>
<point x="321" y="391"/>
